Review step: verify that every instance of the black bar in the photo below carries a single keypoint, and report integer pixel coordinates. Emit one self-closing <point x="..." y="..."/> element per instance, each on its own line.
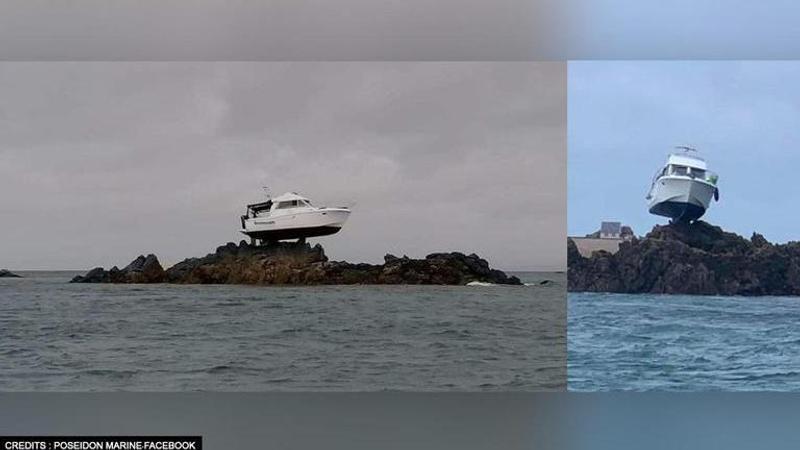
<point x="101" y="442"/>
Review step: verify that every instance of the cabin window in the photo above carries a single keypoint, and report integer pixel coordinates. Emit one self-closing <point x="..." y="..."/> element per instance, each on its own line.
<point x="680" y="170"/>
<point x="289" y="204"/>
<point x="698" y="173"/>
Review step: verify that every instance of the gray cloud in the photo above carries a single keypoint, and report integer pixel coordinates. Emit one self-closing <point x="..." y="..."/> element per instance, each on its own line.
<point x="102" y="161"/>
<point x="281" y="30"/>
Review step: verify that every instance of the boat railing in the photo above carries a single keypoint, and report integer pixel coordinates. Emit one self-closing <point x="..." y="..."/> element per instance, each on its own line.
<point x="656" y="176"/>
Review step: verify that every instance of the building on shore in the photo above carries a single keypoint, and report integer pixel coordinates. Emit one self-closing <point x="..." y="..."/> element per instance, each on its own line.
<point x="607" y="238"/>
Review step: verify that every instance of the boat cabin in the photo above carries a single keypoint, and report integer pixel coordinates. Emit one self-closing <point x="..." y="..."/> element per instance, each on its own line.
<point x="290" y="200"/>
<point x="683" y="165"/>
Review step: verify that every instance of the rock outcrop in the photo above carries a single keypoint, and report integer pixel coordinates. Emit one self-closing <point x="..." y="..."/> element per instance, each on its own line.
<point x="144" y="269"/>
<point x="696" y="258"/>
<point x="289" y="263"/>
<point x="6" y="274"/>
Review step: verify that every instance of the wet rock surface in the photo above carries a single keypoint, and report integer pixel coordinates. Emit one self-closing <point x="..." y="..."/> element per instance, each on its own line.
<point x="696" y="259"/>
<point x="289" y="263"/>
<point x="7" y="274"/>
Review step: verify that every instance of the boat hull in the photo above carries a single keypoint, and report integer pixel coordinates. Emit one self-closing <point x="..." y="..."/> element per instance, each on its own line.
<point x="293" y="233"/>
<point x="681" y="198"/>
<point x="322" y="222"/>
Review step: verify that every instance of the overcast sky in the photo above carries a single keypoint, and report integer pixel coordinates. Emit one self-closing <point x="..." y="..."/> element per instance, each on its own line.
<point x="626" y="116"/>
<point x="100" y="162"/>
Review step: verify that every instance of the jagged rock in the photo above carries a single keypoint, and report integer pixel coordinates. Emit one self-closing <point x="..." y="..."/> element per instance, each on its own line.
<point x="144" y="269"/>
<point x="7" y="274"/>
<point x="759" y="240"/>
<point x="301" y="264"/>
<point x="696" y="258"/>
<point x="276" y="263"/>
<point x="96" y="275"/>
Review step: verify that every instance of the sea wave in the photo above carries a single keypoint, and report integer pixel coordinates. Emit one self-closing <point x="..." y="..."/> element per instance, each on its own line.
<point x="679" y="342"/>
<point x="67" y="337"/>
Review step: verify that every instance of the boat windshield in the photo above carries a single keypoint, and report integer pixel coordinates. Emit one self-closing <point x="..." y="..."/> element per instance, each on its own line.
<point x="692" y="172"/>
<point x="697" y="173"/>
<point x="679" y="170"/>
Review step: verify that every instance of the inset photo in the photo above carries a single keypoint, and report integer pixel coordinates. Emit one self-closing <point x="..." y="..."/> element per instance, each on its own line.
<point x="684" y="265"/>
<point x="283" y="226"/>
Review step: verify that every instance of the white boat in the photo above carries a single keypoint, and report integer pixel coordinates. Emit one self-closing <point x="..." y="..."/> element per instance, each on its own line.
<point x="682" y="190"/>
<point x="291" y="216"/>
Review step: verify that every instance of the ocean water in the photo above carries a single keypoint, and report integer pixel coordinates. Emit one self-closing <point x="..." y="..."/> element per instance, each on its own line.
<point x="56" y="336"/>
<point x="683" y="343"/>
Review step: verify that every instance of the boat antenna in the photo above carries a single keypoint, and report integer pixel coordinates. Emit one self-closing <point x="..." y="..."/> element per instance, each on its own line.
<point x="685" y="148"/>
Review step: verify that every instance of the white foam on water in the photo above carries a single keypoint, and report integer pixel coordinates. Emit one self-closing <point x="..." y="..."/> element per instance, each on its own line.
<point x="480" y="283"/>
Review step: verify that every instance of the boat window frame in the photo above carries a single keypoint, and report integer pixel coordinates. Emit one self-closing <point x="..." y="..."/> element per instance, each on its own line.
<point x="286" y="204"/>
<point x="673" y="170"/>
<point x="696" y="172"/>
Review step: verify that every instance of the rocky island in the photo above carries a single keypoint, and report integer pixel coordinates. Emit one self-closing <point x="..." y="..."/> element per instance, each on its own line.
<point x="689" y="258"/>
<point x="290" y="263"/>
<point x="6" y="274"/>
